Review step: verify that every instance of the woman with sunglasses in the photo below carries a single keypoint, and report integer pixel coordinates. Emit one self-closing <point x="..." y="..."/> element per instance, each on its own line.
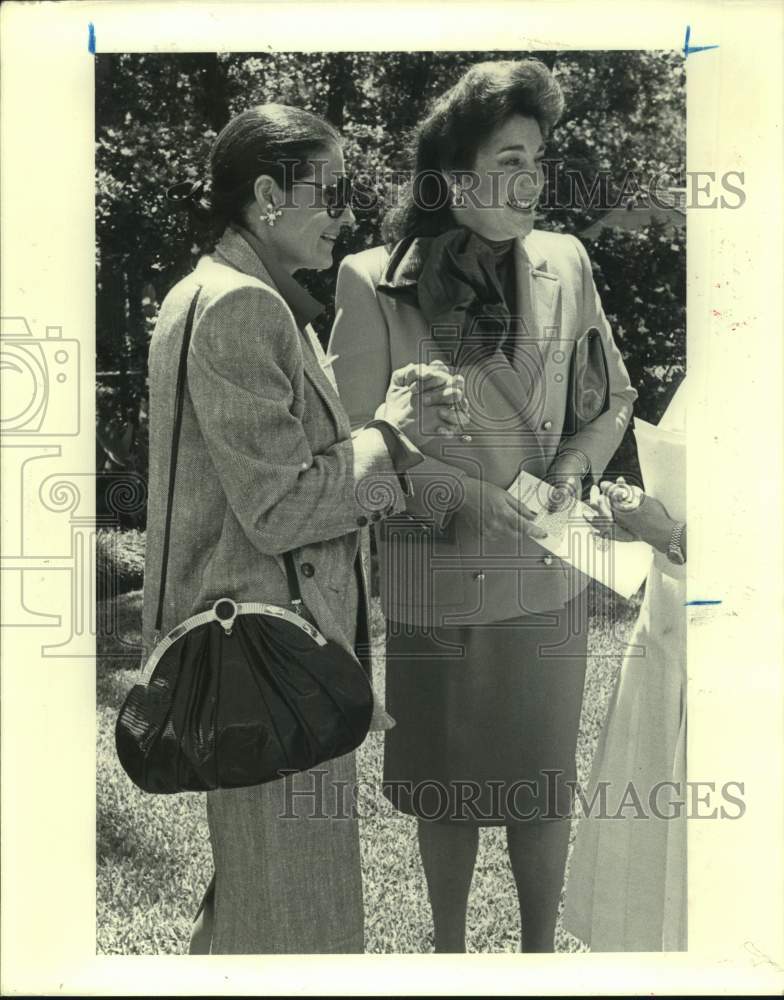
<point x="268" y="464"/>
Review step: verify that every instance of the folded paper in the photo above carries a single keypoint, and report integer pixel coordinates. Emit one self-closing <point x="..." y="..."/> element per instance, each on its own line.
<point x="621" y="566"/>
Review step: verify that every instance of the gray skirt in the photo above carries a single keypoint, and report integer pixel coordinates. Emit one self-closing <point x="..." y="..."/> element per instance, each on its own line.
<point x="487" y="717"/>
<point x="287" y="865"/>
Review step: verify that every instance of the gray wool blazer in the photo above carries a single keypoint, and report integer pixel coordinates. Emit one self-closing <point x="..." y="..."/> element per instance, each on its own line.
<point x="267" y="460"/>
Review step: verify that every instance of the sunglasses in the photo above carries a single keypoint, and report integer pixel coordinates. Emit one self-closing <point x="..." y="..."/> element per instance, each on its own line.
<point x="337" y="197"/>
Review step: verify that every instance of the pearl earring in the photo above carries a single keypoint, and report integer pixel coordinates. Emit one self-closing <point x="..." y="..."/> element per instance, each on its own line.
<point x="458" y="199"/>
<point x="271" y="214"/>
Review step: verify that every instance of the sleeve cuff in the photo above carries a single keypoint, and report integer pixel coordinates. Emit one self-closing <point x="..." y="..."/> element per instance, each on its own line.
<point x="403" y="453"/>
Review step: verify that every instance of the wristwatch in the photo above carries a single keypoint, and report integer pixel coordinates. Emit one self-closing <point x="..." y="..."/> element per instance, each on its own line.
<point x="675" y="551"/>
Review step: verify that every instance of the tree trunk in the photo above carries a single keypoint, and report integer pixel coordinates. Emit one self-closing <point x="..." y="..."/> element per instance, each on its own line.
<point x="216" y="101"/>
<point x="110" y="322"/>
<point x="340" y="79"/>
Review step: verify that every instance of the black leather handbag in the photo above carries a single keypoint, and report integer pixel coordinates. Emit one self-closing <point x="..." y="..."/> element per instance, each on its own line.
<point x="240" y="693"/>
<point x="588" y="395"/>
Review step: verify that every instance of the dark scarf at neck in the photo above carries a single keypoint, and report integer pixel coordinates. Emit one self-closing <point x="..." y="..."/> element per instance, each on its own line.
<point x="453" y="278"/>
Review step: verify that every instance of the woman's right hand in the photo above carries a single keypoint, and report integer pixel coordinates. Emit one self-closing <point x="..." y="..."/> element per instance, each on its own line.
<point x="425" y="400"/>
<point x="495" y="515"/>
<point x="624" y="513"/>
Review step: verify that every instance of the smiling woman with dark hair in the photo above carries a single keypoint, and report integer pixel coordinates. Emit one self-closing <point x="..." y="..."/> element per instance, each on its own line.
<point x="459" y="122"/>
<point x="486" y="631"/>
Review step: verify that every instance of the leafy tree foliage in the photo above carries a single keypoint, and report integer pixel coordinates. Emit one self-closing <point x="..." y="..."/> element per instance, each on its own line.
<point x="157" y="115"/>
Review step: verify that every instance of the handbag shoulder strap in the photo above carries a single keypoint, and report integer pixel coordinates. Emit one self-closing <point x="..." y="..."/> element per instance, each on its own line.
<point x="179" y="401"/>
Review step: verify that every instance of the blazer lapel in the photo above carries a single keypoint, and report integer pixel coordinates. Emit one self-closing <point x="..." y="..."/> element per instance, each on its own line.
<point x="237" y="251"/>
<point x="538" y="295"/>
<point x="318" y="369"/>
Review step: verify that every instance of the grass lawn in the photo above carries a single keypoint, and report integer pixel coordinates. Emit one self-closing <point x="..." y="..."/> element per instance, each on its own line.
<point x="153" y="852"/>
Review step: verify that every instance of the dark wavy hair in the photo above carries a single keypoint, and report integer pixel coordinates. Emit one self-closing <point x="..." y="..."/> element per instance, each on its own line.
<point x="457" y="124"/>
<point x="273" y="139"/>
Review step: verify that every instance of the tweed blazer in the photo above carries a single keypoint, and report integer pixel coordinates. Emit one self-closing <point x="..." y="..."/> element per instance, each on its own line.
<point x="267" y="460"/>
<point x="518" y="409"/>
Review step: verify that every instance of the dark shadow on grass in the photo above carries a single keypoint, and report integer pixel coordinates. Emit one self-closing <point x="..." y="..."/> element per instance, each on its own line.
<point x="120" y="628"/>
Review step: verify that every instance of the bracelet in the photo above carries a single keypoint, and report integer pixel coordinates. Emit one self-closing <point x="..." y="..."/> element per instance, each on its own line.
<point x="585" y="462"/>
<point x="674" y="549"/>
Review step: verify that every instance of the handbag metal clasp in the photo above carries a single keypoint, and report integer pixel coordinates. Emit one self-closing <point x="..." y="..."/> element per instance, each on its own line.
<point x="225" y="611"/>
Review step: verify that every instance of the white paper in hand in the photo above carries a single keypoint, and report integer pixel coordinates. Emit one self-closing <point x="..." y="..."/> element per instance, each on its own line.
<point x="621" y="566"/>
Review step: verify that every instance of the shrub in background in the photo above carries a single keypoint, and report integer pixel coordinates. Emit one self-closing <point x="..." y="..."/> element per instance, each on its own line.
<point x="120" y="561"/>
<point x="156" y="117"/>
